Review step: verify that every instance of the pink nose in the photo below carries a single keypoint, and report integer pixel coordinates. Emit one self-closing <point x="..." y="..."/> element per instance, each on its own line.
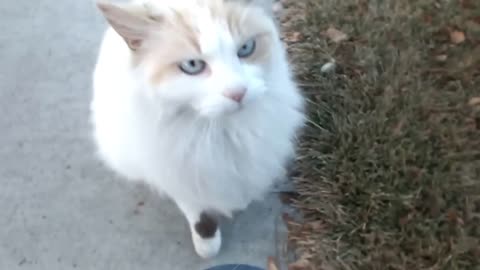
<point x="236" y="94"/>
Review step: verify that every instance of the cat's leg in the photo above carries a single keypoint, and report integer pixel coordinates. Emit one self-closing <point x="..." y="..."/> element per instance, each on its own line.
<point x="206" y="234"/>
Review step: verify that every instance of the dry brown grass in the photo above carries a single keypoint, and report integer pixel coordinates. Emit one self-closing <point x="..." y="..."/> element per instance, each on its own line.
<point x="390" y="163"/>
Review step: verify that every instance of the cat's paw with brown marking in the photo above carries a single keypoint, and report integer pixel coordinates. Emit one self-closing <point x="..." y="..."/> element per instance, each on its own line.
<point x="207" y="247"/>
<point x="206" y="236"/>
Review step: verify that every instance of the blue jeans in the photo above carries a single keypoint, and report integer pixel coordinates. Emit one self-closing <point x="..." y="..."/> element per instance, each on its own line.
<point x="234" y="267"/>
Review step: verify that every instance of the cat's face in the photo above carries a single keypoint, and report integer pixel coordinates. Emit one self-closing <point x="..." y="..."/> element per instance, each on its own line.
<point x="209" y="56"/>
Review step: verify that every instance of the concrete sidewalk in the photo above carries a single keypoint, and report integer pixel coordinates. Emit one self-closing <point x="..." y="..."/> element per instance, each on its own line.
<point x="61" y="209"/>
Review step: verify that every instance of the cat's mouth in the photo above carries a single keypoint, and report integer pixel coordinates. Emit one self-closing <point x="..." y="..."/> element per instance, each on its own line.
<point x="221" y="110"/>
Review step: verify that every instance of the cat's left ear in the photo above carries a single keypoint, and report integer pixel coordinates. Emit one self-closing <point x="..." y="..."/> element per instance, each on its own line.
<point x="129" y="21"/>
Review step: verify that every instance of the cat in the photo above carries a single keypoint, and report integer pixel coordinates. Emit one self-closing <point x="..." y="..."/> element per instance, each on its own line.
<point x="196" y="98"/>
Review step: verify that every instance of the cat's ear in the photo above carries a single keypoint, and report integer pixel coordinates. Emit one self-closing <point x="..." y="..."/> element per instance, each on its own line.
<point x="129" y="21"/>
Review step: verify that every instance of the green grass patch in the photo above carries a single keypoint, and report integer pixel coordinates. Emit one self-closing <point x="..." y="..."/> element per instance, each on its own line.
<point x="390" y="162"/>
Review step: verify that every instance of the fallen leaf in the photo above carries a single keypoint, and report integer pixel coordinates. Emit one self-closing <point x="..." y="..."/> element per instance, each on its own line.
<point x="293" y="36"/>
<point x="316" y="226"/>
<point x="301" y="264"/>
<point x="335" y="35"/>
<point x="452" y="216"/>
<point x="475" y="101"/>
<point x="287" y="218"/>
<point x="441" y="57"/>
<point x="397" y="130"/>
<point x="271" y="264"/>
<point x="328" y="67"/>
<point x="457" y="37"/>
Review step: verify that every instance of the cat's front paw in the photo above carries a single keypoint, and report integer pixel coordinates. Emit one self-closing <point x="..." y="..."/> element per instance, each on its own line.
<point x="207" y="247"/>
<point x="206" y="236"/>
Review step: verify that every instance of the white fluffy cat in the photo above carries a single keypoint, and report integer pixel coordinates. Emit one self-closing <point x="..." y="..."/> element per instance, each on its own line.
<point x="195" y="97"/>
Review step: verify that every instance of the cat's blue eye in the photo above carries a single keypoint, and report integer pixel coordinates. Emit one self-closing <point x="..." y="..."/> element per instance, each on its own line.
<point x="247" y="49"/>
<point x="193" y="66"/>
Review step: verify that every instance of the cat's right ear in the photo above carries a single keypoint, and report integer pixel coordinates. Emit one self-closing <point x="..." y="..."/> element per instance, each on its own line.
<point x="127" y="21"/>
